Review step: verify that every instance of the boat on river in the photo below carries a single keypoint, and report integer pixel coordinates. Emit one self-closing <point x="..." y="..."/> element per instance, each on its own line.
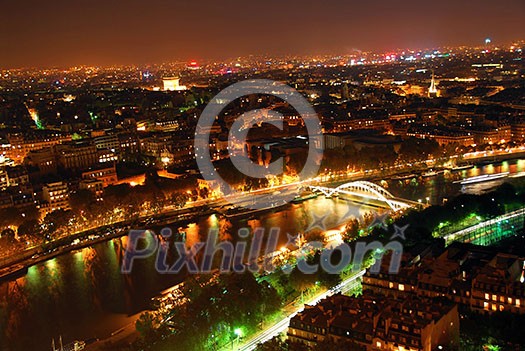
<point x="299" y="199"/>
<point x="74" y="346"/>
<point x="483" y="178"/>
<point x="404" y="176"/>
<point x="14" y="271"/>
<point x="233" y="212"/>
<point x="432" y="173"/>
<point x="462" y="168"/>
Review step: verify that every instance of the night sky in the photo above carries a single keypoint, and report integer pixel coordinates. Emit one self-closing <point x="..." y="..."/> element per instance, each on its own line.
<point x="103" y="32"/>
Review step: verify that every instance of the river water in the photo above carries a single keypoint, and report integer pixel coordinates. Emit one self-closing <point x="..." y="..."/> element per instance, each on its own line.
<point x="82" y="294"/>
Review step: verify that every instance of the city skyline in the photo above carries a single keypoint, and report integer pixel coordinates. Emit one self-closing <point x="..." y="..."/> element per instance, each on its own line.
<point x="68" y="34"/>
<point x="262" y="176"/>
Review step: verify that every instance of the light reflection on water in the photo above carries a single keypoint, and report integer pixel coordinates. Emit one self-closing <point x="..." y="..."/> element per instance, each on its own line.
<point x="82" y="295"/>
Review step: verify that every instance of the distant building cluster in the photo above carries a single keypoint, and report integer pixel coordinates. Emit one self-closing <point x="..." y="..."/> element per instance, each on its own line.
<point x="80" y="126"/>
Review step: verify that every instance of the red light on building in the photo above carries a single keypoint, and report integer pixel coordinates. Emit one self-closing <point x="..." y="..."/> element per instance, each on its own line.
<point x="193" y="65"/>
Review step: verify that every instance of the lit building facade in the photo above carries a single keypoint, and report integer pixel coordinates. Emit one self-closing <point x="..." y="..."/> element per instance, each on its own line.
<point x="475" y="277"/>
<point x="107" y="175"/>
<point x="374" y="322"/>
<point x="55" y="196"/>
<point x="172" y="84"/>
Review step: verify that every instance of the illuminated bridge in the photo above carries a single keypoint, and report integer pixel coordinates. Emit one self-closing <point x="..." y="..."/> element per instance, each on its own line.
<point x="367" y="191"/>
<point x="488" y="232"/>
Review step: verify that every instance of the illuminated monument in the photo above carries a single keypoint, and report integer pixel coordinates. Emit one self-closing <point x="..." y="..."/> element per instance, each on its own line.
<point x="172" y="84"/>
<point x="433" y="91"/>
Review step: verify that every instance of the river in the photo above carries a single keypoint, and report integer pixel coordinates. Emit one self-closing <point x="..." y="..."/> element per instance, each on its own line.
<point x="82" y="294"/>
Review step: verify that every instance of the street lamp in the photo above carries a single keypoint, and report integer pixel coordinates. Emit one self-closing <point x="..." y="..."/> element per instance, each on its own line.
<point x="238" y="333"/>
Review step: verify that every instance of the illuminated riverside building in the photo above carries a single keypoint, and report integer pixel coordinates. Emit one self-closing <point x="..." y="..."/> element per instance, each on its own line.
<point x="96" y="186"/>
<point x="475" y="277"/>
<point x="375" y="322"/>
<point x="492" y="135"/>
<point x="106" y="174"/>
<point x="499" y="286"/>
<point x="440" y="136"/>
<point x="465" y="139"/>
<point x="55" y="196"/>
<point x="518" y="132"/>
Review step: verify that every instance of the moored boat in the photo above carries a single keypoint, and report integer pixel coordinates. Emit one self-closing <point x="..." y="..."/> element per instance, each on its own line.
<point x="14" y="271"/>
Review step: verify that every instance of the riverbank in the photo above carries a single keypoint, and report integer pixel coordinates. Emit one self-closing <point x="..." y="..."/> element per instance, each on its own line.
<point x="91" y="237"/>
<point x="121" y="337"/>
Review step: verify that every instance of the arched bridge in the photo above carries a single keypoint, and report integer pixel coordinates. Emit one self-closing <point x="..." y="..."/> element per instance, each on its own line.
<point x="366" y="190"/>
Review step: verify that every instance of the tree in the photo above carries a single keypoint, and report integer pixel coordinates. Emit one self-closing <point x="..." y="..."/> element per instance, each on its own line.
<point x="301" y="281"/>
<point x="30" y="212"/>
<point x="8" y="235"/>
<point x="145" y="325"/>
<point x="10" y="216"/>
<point x="30" y="230"/>
<point x="275" y="344"/>
<point x="118" y="195"/>
<point x="329" y="344"/>
<point x="56" y="220"/>
<point x="82" y="201"/>
<point x="351" y="230"/>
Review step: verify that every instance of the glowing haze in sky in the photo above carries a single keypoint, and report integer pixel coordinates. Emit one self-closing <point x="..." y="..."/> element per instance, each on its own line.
<point x="65" y="33"/>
